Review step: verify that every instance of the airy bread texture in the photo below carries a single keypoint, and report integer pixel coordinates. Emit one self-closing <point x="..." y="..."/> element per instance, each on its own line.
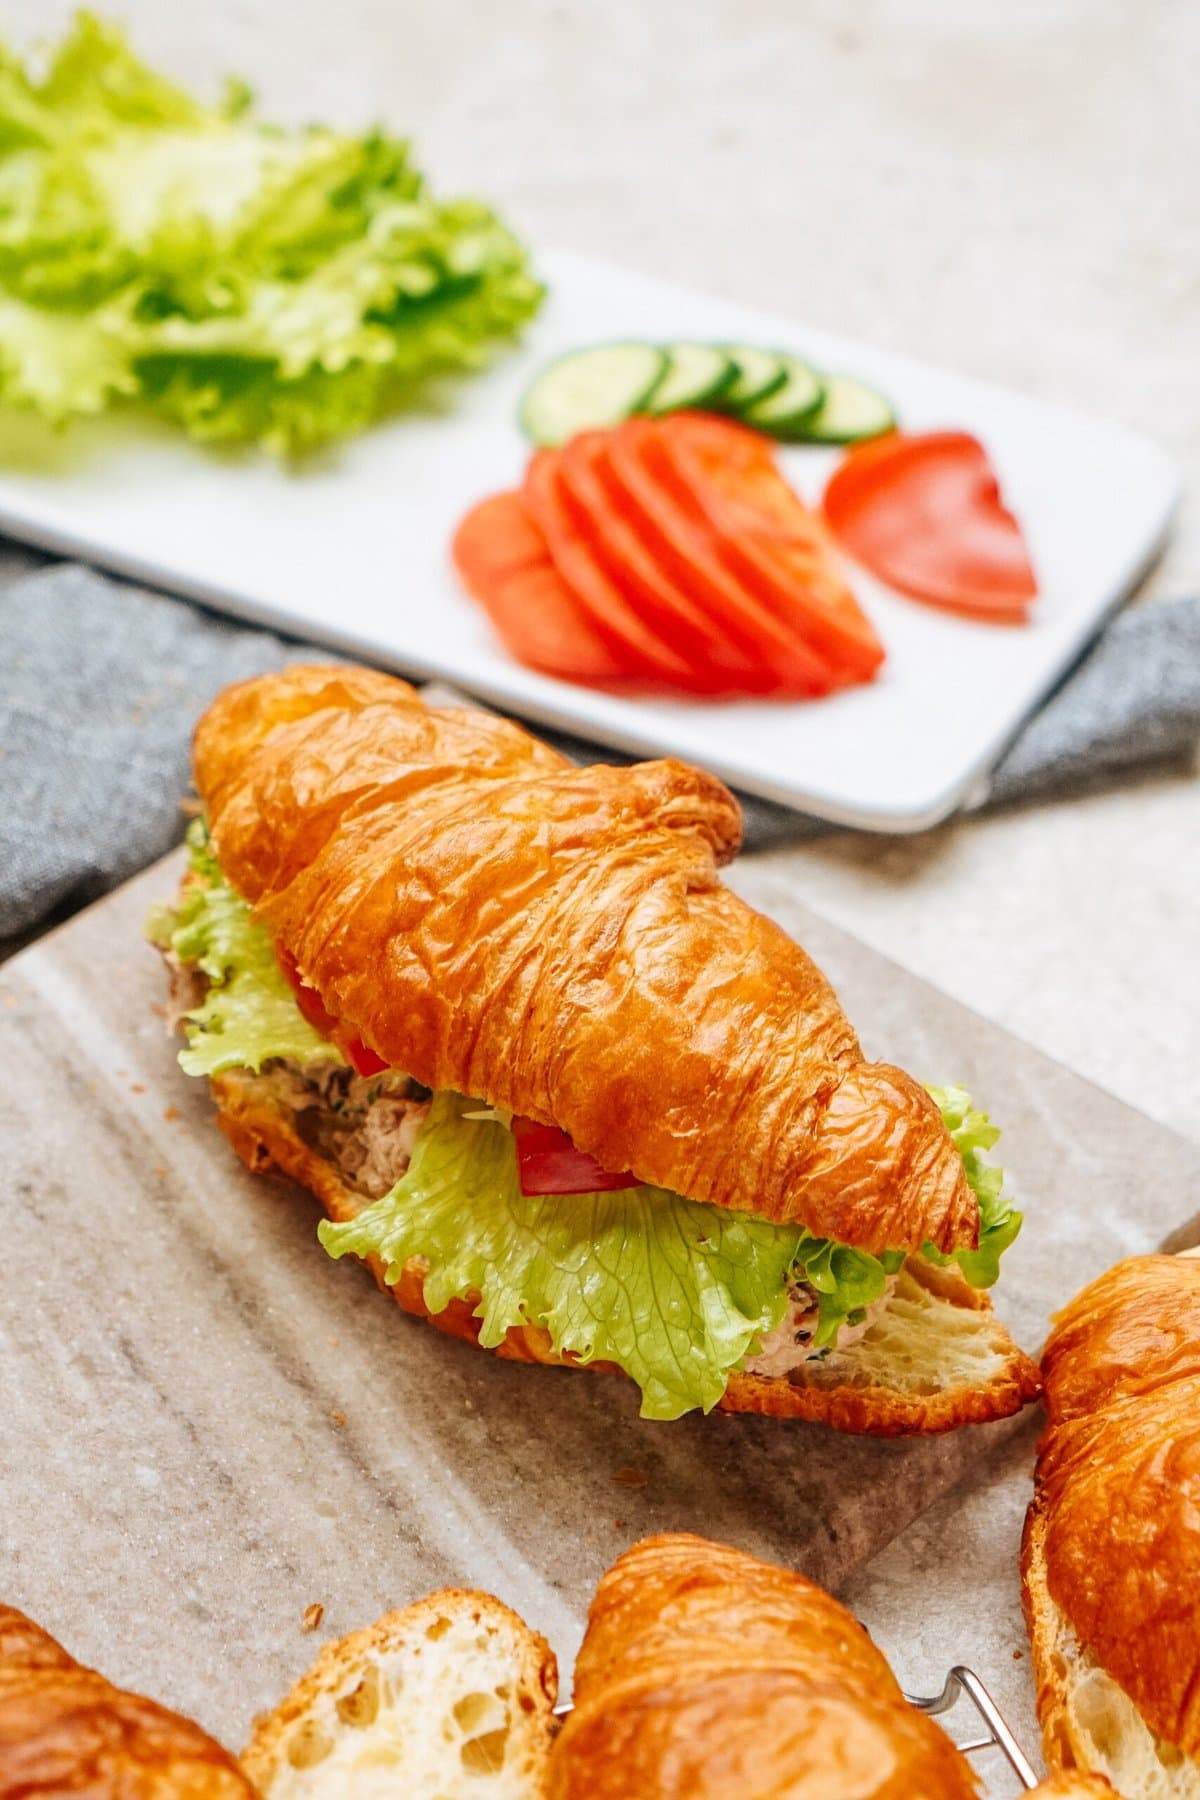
<point x="451" y="1699"/>
<point x="708" y="1675"/>
<point x="65" y="1730"/>
<point x="936" y="1358"/>
<point x="556" y="940"/>
<point x="1112" y="1538"/>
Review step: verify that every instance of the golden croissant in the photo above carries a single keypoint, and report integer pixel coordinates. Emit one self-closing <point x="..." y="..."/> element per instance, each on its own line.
<point x="1111" y="1558"/>
<point x="65" y="1730"/>
<point x="708" y="1675"/>
<point x="460" y="912"/>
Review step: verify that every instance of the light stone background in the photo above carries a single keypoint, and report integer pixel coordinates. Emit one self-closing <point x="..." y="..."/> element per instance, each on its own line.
<point x="1010" y="190"/>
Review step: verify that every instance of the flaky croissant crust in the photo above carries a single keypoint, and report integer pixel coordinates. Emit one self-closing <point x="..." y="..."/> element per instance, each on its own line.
<point x="1117" y="1506"/>
<point x="66" y="1730"/>
<point x="556" y="940"/>
<point x="706" y="1674"/>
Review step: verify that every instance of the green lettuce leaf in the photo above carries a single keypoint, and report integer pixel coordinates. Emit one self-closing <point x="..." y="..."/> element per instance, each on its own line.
<point x="60" y="363"/>
<point x="249" y="1013"/>
<point x="674" y="1292"/>
<point x="845" y="1282"/>
<point x="999" y="1222"/>
<point x="252" y="284"/>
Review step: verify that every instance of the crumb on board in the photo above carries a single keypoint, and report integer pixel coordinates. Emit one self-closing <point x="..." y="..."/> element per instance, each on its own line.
<point x="630" y="1477"/>
<point x="170" y="1114"/>
<point x="136" y="1087"/>
<point x="312" y="1616"/>
<point x="338" y="1417"/>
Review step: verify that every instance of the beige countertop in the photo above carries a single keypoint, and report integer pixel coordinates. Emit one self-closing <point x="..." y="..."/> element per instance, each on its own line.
<point x="1006" y="190"/>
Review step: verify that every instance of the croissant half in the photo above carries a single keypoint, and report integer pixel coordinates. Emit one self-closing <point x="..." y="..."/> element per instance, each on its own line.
<point x="1112" y="1539"/>
<point x="65" y="1730"/>
<point x="450" y="1698"/>
<point x="557" y="941"/>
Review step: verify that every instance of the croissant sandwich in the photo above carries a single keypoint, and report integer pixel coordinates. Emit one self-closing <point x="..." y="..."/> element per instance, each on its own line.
<point x="566" y="1094"/>
<point x="1111" y="1555"/>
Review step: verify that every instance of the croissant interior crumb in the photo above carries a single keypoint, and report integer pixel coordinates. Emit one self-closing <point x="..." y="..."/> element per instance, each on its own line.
<point x="433" y="1714"/>
<point x="1107" y="1734"/>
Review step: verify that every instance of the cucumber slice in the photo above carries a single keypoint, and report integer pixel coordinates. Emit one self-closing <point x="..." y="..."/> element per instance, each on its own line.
<point x="787" y="411"/>
<point x="759" y="373"/>
<point x="849" y="412"/>
<point x="696" y="375"/>
<point x="585" y="388"/>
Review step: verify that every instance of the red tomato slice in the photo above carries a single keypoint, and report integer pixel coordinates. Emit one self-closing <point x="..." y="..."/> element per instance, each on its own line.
<point x="549" y="1163"/>
<point x="496" y="538"/>
<point x="669" y="606"/>
<point x="360" y="1056"/>
<point x="307" y="998"/>
<point x="767" y="536"/>
<point x="503" y="563"/>
<point x="362" y="1059"/>
<point x="616" y="618"/>
<point x="925" y="515"/>
<point x="678" y="534"/>
<point x="741" y="465"/>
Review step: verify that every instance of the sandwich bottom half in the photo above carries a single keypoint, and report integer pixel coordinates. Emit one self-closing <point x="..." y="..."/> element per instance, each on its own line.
<point x="932" y="1357"/>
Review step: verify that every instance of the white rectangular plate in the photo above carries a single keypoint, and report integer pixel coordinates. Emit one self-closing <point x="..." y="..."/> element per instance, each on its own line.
<point x="352" y="550"/>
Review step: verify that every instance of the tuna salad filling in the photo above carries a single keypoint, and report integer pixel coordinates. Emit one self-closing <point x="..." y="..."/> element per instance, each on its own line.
<point x="794" y="1341"/>
<point x="676" y="1292"/>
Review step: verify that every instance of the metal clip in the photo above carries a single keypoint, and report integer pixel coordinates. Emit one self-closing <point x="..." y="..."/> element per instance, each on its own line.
<point x="966" y="1681"/>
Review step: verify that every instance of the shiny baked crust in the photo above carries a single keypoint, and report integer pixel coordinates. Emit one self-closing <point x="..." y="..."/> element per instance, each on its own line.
<point x="1112" y="1539"/>
<point x="988" y="1377"/>
<point x="708" y="1675"/>
<point x="556" y="940"/>
<point x="66" y="1730"/>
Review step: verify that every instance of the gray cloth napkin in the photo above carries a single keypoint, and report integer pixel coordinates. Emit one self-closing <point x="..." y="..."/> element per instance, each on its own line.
<point x="101" y="684"/>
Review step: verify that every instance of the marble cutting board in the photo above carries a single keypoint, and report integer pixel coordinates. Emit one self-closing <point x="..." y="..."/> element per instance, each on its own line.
<point x="207" y="1424"/>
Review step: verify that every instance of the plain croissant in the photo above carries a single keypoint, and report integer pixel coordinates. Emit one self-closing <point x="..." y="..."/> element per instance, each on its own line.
<point x="557" y="941"/>
<point x="706" y="1674"/>
<point x="1111" y="1559"/>
<point x="65" y="1730"/>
